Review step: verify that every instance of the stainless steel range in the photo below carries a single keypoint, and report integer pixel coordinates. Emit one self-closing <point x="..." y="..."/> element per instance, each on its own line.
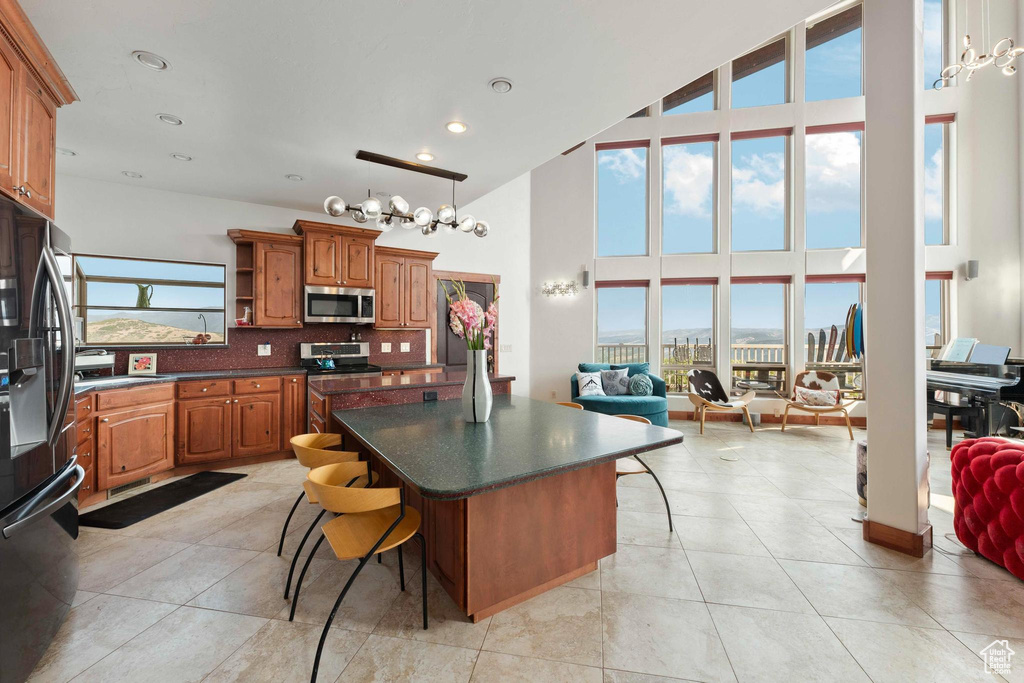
<point x="338" y="359"/>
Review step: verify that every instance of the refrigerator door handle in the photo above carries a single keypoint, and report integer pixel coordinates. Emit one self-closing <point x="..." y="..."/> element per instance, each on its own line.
<point x="48" y="263"/>
<point x="32" y="513"/>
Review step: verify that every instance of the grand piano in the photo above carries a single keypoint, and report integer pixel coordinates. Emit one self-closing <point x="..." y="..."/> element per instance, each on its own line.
<point x="976" y="393"/>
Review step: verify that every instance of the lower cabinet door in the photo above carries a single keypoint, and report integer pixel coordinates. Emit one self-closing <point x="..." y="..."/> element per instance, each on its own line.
<point x="204" y="430"/>
<point x="256" y="421"/>
<point x="133" y="443"/>
<point x="293" y="409"/>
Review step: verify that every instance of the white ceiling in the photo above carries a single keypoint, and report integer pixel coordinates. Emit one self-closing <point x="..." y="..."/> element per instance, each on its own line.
<point x="267" y="87"/>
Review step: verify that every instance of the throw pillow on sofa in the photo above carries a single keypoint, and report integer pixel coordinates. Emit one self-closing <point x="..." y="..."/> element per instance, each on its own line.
<point x="641" y="385"/>
<point x="634" y="368"/>
<point x="615" y="382"/>
<point x="590" y="384"/>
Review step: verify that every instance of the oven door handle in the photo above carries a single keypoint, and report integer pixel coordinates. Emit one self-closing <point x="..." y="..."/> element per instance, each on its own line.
<point x="32" y="513"/>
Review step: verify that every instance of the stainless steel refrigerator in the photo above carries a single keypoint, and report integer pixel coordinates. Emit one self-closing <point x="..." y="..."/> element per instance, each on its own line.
<point x="39" y="475"/>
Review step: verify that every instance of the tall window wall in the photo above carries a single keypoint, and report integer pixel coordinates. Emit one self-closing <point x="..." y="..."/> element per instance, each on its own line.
<point x="761" y="209"/>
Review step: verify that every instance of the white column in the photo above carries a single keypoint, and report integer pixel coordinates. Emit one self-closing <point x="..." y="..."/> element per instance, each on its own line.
<point x="894" y="335"/>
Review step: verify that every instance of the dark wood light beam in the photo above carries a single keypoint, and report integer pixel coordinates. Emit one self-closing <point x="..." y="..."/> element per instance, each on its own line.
<point x="375" y="158"/>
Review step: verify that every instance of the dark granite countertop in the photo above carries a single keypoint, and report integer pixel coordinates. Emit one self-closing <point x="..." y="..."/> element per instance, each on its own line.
<point x="349" y="385"/>
<point x="124" y="381"/>
<point x="434" y="448"/>
<point x="410" y="366"/>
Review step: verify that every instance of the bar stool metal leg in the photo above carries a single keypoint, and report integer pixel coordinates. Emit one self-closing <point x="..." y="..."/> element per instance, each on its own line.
<point x="334" y="612"/>
<point x="288" y="519"/>
<point x="668" y="509"/>
<point x="423" y="574"/>
<point x="295" y="558"/>
<point x="302" y="575"/>
<point x="401" y="568"/>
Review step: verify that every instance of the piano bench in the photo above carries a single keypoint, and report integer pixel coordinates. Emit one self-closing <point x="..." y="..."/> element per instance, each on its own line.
<point x="949" y="411"/>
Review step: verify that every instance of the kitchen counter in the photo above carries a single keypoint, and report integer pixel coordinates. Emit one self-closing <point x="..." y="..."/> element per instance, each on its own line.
<point x="350" y="385"/>
<point x="124" y="381"/>
<point x="411" y="366"/>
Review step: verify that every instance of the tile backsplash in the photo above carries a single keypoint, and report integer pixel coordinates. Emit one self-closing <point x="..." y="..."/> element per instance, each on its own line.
<point x="242" y="343"/>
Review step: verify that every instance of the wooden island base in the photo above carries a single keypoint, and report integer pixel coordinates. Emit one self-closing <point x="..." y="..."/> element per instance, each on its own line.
<point x="498" y="548"/>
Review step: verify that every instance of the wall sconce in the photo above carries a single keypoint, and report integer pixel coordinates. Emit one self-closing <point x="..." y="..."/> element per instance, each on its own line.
<point x="972" y="270"/>
<point x="585" y="276"/>
<point x="560" y="288"/>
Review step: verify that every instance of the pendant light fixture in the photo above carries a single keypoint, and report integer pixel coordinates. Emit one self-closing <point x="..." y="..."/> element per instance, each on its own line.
<point x="397" y="212"/>
<point x="1002" y="55"/>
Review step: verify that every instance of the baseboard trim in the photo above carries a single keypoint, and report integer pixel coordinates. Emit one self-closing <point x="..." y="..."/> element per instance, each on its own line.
<point x="906" y="542"/>
<point x="829" y="420"/>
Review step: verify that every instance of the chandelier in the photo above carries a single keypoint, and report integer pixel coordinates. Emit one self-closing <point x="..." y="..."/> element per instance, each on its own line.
<point x="1002" y="55"/>
<point x="397" y="211"/>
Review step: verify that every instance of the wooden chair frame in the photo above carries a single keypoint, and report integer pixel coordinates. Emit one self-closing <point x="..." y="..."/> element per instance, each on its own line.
<point x="701" y="405"/>
<point x="817" y="411"/>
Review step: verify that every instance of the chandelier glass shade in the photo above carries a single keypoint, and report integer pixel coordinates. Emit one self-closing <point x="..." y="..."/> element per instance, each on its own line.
<point x="397" y="213"/>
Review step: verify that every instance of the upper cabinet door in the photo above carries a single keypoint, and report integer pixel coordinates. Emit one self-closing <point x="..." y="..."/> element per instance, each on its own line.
<point x="389" y="297"/>
<point x="278" y="286"/>
<point x="35" y="174"/>
<point x="418" y="292"/>
<point x="323" y="259"/>
<point x="357" y="262"/>
<point x="9" y="71"/>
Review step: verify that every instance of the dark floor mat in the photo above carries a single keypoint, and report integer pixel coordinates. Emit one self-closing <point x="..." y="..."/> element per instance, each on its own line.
<point x="144" y="505"/>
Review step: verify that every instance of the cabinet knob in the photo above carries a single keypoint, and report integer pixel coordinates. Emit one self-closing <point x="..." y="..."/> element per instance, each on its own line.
<point x="235" y="401"/>
<point x="88" y="407"/>
<point x="23" y="191"/>
<point x="228" y="401"/>
<point x="257" y="386"/>
<point x="106" y="419"/>
<point x="298" y="322"/>
<point x="204" y="390"/>
<point x="294" y="380"/>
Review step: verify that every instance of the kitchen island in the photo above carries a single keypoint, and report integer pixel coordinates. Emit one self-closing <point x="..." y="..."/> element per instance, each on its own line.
<point x="511" y="507"/>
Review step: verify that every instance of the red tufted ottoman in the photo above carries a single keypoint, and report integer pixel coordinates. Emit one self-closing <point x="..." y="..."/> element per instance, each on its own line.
<point x="988" y="486"/>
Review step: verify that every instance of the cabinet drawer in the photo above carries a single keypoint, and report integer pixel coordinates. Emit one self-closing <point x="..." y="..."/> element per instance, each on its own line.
<point x="257" y="385"/>
<point x="318" y="404"/>
<point x="83" y="430"/>
<point x="204" y="388"/>
<point x="84" y="451"/>
<point x="138" y="396"/>
<point x="88" y="486"/>
<point x="317" y="425"/>
<point x="83" y="408"/>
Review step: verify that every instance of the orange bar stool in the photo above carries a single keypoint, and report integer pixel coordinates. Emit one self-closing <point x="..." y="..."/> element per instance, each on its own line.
<point x="311" y="450"/>
<point x="634" y="465"/>
<point x="569" y="404"/>
<point x="369" y="522"/>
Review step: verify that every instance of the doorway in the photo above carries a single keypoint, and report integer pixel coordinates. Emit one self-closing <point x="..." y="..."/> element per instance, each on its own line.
<point x="451" y="350"/>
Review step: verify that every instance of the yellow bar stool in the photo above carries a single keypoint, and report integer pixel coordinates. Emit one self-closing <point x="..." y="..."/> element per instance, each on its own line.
<point x="369" y="522"/>
<point x="569" y="404"/>
<point x="634" y="465"/>
<point x="311" y="450"/>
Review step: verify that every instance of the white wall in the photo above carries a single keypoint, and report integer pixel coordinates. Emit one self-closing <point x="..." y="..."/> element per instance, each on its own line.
<point x="988" y="225"/>
<point x="116" y="218"/>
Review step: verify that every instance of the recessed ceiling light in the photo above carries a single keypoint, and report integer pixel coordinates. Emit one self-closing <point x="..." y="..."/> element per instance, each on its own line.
<point x="131" y="174"/>
<point x="151" y="61"/>
<point x="181" y="157"/>
<point x="500" y="85"/>
<point x="294" y="177"/>
<point x="67" y="152"/>
<point x="170" y="119"/>
<point x="425" y="156"/>
<point x="456" y="127"/>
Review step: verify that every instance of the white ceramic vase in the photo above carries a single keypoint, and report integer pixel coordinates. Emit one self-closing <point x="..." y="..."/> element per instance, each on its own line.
<point x="476" y="394"/>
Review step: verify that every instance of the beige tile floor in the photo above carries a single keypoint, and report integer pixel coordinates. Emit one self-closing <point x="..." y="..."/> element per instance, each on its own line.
<point x="765" y="578"/>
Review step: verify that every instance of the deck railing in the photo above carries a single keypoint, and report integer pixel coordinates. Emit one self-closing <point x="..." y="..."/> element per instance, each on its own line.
<point x="763" y="366"/>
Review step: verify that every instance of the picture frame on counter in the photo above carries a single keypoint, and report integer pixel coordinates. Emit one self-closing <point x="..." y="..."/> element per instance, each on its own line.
<point x="141" y="363"/>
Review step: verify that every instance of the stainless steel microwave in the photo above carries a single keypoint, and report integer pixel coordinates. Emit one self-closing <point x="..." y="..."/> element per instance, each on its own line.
<point x="338" y="305"/>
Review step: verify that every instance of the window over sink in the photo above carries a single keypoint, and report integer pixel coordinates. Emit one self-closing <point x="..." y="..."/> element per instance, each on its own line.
<point x="121" y="301"/>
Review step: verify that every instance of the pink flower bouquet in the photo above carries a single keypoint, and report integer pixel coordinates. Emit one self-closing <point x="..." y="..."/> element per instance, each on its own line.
<point x="468" y="319"/>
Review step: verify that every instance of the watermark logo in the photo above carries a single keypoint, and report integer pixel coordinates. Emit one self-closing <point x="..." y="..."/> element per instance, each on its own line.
<point x="998" y="657"/>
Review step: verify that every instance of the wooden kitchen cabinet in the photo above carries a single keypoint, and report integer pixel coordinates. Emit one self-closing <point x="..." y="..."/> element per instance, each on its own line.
<point x="337" y="255"/>
<point x="293" y="409"/>
<point x="278" y="285"/>
<point x="132" y="443"/>
<point x="256" y="424"/>
<point x="204" y="430"/>
<point x="32" y="87"/>
<point x="404" y="290"/>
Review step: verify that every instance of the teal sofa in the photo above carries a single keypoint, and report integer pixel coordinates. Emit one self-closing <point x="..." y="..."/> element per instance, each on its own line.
<point x="653" y="407"/>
